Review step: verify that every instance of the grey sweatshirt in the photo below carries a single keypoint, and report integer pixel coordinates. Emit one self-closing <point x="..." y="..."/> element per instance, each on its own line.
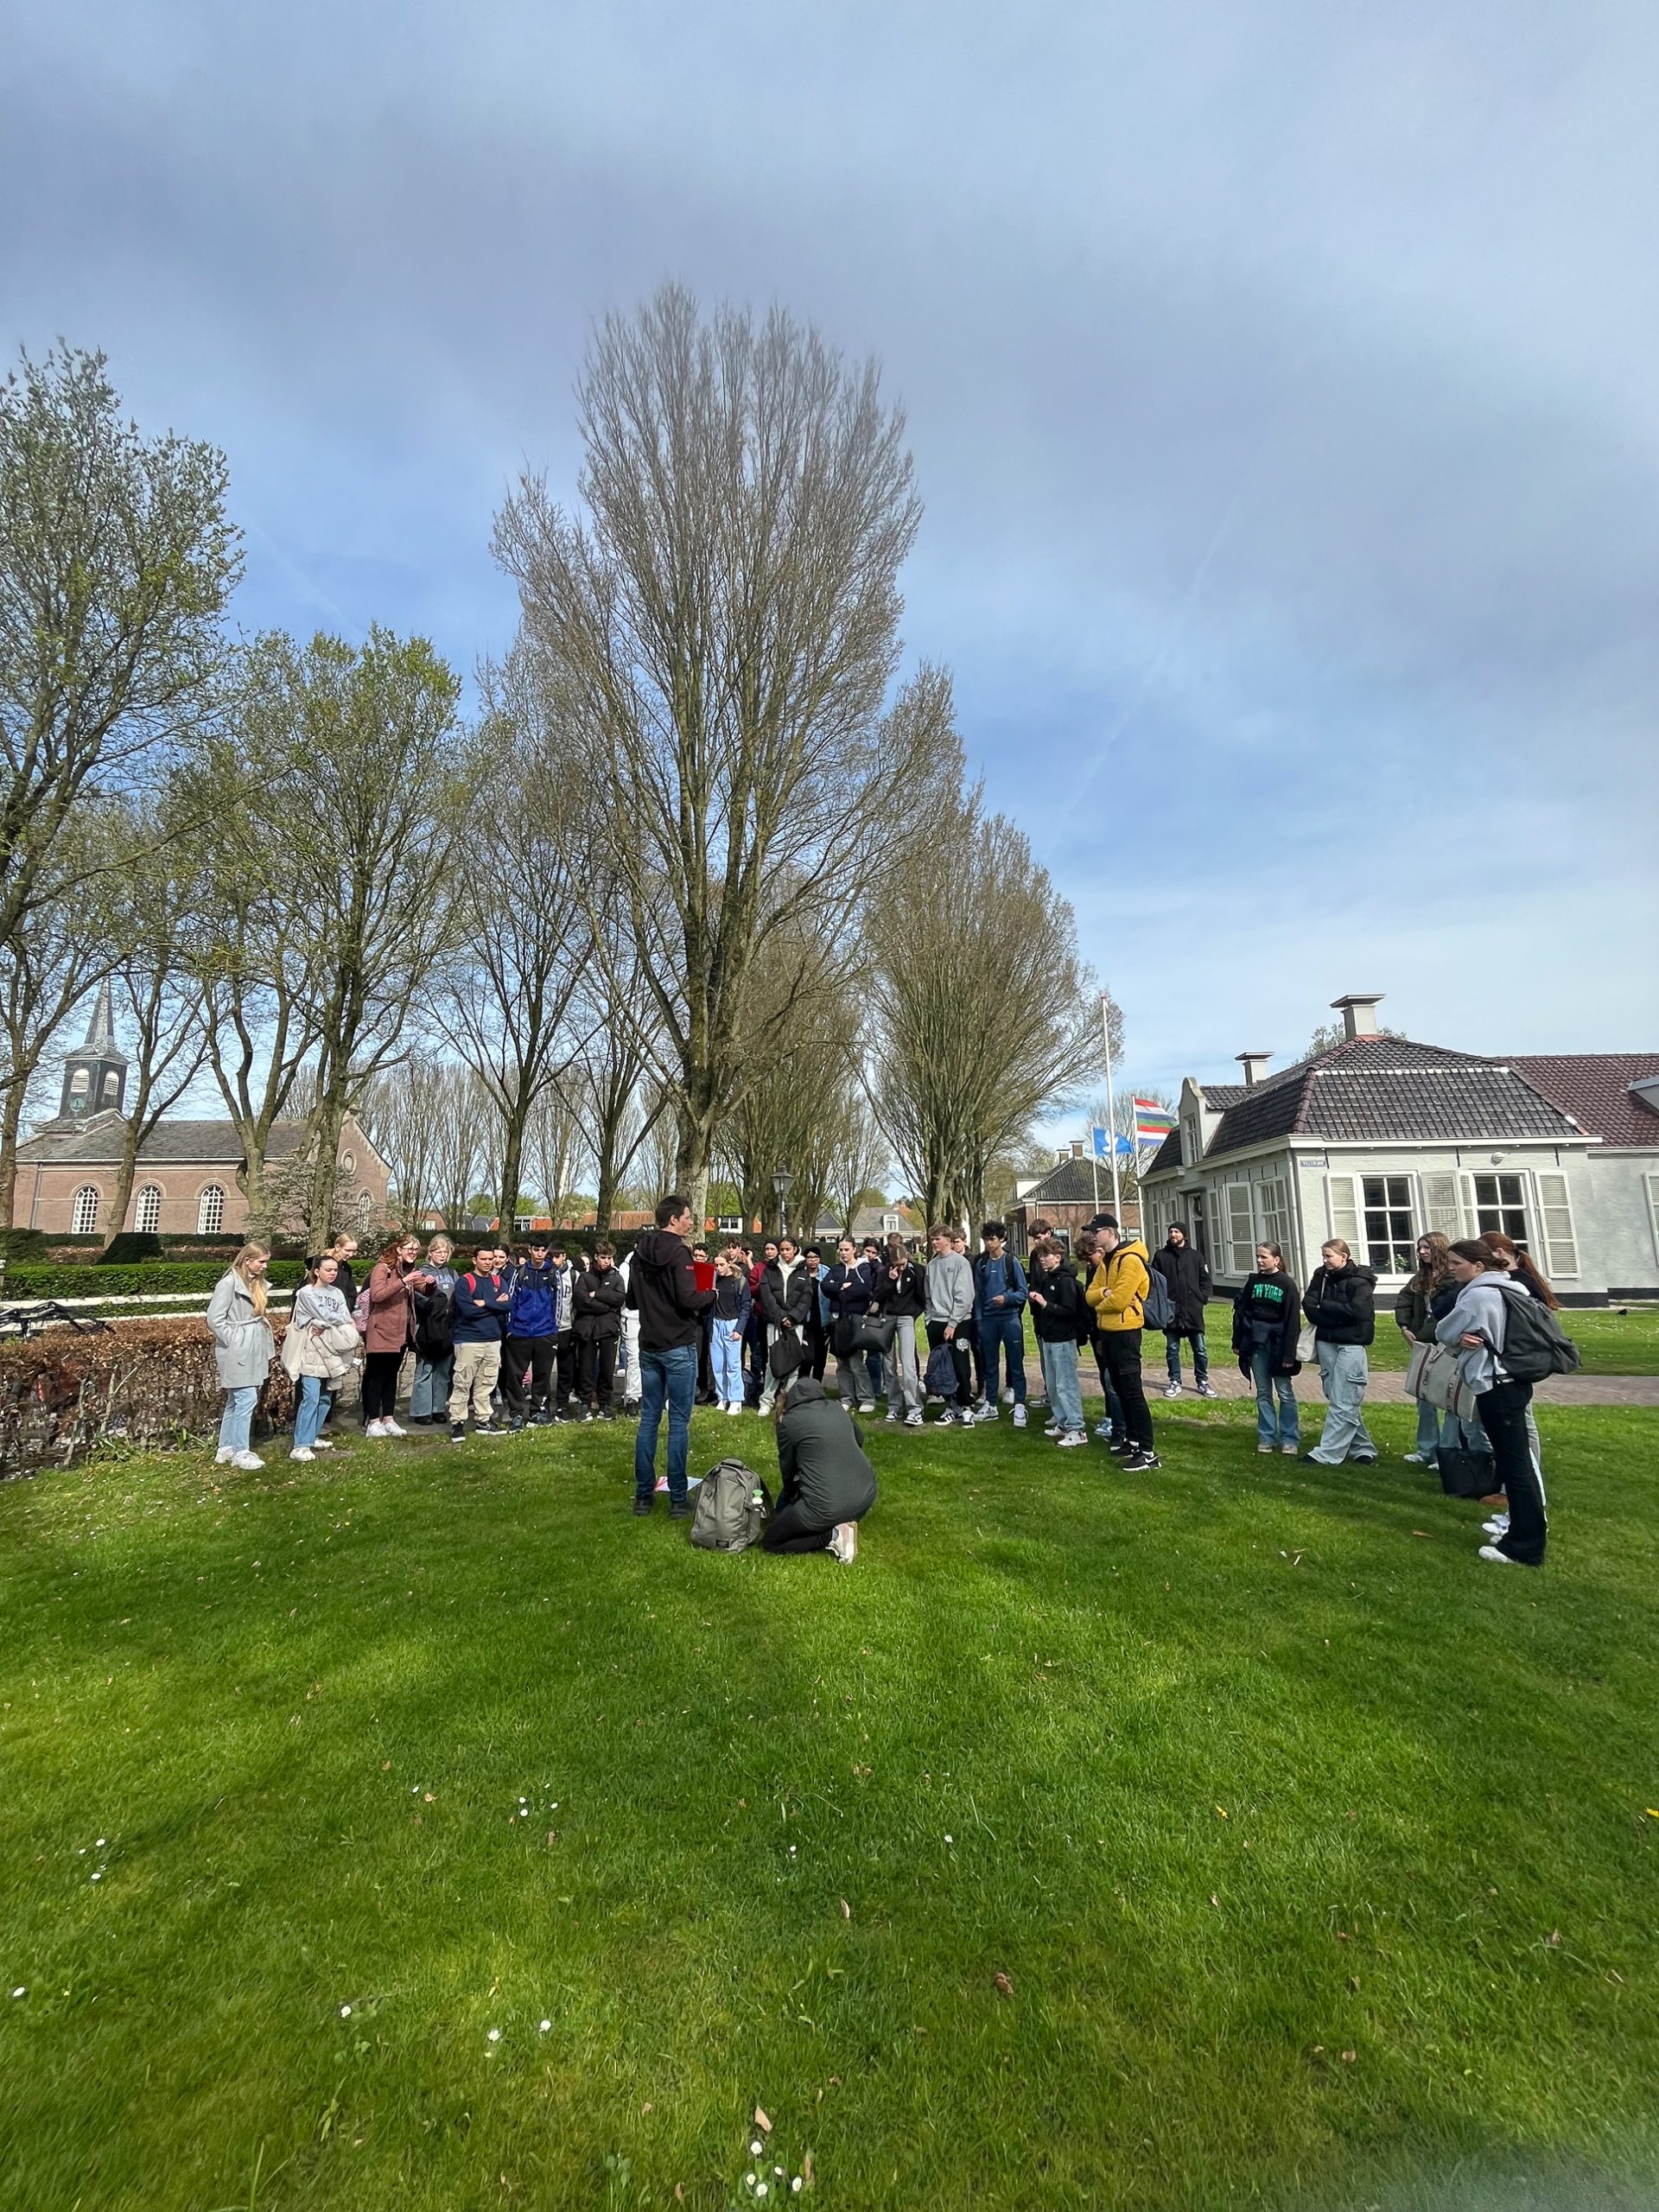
<point x="1479" y="1311"/>
<point x="950" y="1288"/>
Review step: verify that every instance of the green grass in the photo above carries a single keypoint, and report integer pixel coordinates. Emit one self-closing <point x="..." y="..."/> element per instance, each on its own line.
<point x="1316" y="1854"/>
<point x="1609" y="1342"/>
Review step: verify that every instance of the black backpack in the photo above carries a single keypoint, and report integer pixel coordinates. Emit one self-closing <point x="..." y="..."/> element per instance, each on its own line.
<point x="1534" y="1343"/>
<point x="435" y="1326"/>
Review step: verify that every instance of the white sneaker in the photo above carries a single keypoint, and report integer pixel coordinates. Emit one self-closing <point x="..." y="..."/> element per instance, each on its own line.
<point x="987" y="1412"/>
<point x="1069" y="1438"/>
<point x="1103" y="1430"/>
<point x="964" y="1419"/>
<point x="250" y="1461"/>
<point x="733" y="1411"/>
<point x="388" y="1427"/>
<point x="1268" y="1448"/>
<point x="1207" y="1388"/>
<point x="1498" y="1526"/>
<point x="1415" y="1460"/>
<point x="1497" y="1558"/>
<point x="224" y="1452"/>
<point x="912" y="1421"/>
<point x="1173" y="1390"/>
<point x="1054" y="1429"/>
<point x="845" y="1542"/>
<point x="301" y="1452"/>
<point x="893" y="1413"/>
<point x="1019" y="1416"/>
<point x="376" y="1428"/>
<point x="322" y="1444"/>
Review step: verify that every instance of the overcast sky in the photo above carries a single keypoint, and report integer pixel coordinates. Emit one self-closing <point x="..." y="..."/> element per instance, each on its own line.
<point x="1280" y="379"/>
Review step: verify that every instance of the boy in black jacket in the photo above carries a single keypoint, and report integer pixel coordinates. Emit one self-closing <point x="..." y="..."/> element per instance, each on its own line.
<point x="1060" y="1316"/>
<point x="598" y="1306"/>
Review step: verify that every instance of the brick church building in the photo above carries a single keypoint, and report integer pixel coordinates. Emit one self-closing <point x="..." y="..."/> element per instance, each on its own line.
<point x="185" y="1184"/>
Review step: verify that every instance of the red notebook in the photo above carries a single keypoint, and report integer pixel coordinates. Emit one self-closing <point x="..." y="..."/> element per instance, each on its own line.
<point x="705" y="1272"/>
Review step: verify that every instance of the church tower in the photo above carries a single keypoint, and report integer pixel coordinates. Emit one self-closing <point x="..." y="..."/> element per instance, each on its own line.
<point x="95" y="1077"/>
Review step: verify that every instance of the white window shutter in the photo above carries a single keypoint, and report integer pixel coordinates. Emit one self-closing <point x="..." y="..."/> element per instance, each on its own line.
<point x="1241" y="1228"/>
<point x="1471" y="1212"/>
<point x="1653" y="1211"/>
<point x="1556" y="1215"/>
<point x="1440" y="1207"/>
<point x="1344" y="1211"/>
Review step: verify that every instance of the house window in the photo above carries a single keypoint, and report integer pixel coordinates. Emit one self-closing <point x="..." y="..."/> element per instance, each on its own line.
<point x="147" y="1214"/>
<point x="1189" y="1153"/>
<point x="365" y="1206"/>
<point x="84" y="1222"/>
<point x="210" y="1212"/>
<point x="1501" y="1203"/>
<point x="1275" y="1219"/>
<point x="1196" y="1221"/>
<point x="81" y="1083"/>
<point x="1390" y="1243"/>
<point x="112" y="1084"/>
<point x="521" y="1223"/>
<point x="730" y="1224"/>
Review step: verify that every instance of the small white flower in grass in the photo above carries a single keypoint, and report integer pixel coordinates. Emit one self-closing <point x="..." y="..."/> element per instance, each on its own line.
<point x="950" y="1838"/>
<point x="546" y="2024"/>
<point x="495" y="2035"/>
<point x="795" y="2186"/>
<point x="779" y="2172"/>
<point x="345" y="2012"/>
<point x="754" y="2152"/>
<point x="99" y="1845"/>
<point x="759" y="2189"/>
<point x="99" y="1875"/>
<point x="21" y="1992"/>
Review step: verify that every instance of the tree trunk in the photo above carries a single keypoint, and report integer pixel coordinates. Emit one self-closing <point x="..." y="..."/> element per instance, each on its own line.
<point x="327" y="1124"/>
<point x="513" y="1119"/>
<point x="126" y="1173"/>
<point x="11" y="1113"/>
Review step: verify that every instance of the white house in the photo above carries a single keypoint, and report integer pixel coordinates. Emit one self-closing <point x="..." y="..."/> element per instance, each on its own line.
<point x="1381" y="1138"/>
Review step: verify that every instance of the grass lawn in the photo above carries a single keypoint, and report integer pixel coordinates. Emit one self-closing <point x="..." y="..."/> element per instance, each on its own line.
<point x="1609" y="1342"/>
<point x="1315" y="1855"/>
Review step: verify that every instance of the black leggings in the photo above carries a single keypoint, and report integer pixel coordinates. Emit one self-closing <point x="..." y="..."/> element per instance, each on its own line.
<point x="1123" y="1349"/>
<point x="380" y="1384"/>
<point x="1503" y="1411"/>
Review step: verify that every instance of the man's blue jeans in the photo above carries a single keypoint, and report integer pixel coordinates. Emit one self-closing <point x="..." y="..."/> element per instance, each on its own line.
<point x="1200" y="1354"/>
<point x="671" y="1378"/>
<point x="1006" y="1330"/>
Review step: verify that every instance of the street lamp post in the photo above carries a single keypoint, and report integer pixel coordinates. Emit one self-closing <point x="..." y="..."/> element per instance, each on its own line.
<point x="780" y="1182"/>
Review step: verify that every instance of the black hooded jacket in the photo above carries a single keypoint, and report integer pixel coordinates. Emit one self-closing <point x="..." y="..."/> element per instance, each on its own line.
<point x="820" y="1460"/>
<point x="1341" y="1303"/>
<point x="664" y="1289"/>
<point x="1187" y="1275"/>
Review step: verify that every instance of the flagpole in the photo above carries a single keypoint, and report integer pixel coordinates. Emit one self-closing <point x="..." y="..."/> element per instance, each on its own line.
<point x="1111" y="1106"/>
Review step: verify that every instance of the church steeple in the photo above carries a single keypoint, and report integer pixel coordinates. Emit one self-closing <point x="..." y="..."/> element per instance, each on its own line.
<point x="95" y="1077"/>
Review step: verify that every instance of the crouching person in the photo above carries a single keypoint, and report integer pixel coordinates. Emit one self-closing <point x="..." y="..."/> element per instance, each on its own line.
<point x="826" y="1484"/>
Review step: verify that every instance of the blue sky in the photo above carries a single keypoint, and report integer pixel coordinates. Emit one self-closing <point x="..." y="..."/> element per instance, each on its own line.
<point x="1280" y="378"/>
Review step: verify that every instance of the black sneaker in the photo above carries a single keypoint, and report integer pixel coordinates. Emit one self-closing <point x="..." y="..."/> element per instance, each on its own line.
<point x="642" y="1506"/>
<point x="489" y="1428"/>
<point x="682" y="1512"/>
<point x="457" y="1432"/>
<point x="1121" y="1448"/>
<point x="515" y="1425"/>
<point x="1139" y="1462"/>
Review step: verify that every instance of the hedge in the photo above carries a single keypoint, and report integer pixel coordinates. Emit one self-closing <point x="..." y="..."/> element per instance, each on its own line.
<point x="72" y="1284"/>
<point x="138" y="1382"/>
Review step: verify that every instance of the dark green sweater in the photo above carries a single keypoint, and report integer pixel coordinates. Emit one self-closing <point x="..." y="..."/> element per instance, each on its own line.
<point x="820" y="1459"/>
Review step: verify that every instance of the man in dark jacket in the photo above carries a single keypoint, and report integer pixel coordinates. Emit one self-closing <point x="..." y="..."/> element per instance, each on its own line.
<point x="480" y="1303"/>
<point x="532" y="1335"/>
<point x="1186" y="1273"/>
<point x="826" y="1483"/>
<point x="1000" y="1290"/>
<point x="786" y="1292"/>
<point x="664" y="1288"/>
<point x="597" y="1303"/>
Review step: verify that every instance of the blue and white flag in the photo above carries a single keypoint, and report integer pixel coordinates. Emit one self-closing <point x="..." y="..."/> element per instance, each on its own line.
<point x="1100" y="1141"/>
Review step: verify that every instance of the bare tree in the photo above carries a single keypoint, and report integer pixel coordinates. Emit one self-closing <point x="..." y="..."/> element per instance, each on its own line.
<point x="160" y="994"/>
<point x="862" y="1156"/>
<point x="720" y="635"/>
<point x="525" y="935"/>
<point x="347" y="781"/>
<point x="116" y="561"/>
<point x="974" y="923"/>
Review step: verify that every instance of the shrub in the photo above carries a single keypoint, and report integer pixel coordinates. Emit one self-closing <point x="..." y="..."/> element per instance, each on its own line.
<point x="147" y="1383"/>
<point x="22" y="1244"/>
<point x="130" y="1249"/>
<point x="73" y="1283"/>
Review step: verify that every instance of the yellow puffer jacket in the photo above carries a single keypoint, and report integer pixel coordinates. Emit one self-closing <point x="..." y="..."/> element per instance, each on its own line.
<point x="1117" y="1289"/>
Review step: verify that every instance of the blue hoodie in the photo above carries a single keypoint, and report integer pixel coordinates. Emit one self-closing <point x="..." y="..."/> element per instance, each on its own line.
<point x="480" y="1309"/>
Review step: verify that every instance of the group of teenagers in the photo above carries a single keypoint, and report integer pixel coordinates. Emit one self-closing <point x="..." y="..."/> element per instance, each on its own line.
<point x="540" y="1337"/>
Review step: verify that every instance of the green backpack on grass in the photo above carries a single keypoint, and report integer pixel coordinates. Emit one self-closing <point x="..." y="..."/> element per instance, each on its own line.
<point x="733" y="1503"/>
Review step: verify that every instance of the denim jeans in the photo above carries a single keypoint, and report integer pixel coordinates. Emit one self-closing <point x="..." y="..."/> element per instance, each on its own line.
<point x="237" y="1420"/>
<point x="726" y="1342"/>
<point x="1344" y="1370"/>
<point x="1060" y="1376"/>
<point x="1200" y="1354"/>
<point x="307" y="1417"/>
<point x="666" y="1378"/>
<point x="904" y="1376"/>
<point x="428" y="1396"/>
<point x="1287" y="1427"/>
<point x="1007" y="1332"/>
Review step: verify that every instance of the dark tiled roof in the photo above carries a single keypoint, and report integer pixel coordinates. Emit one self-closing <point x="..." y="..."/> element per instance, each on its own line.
<point x="97" y="1143"/>
<point x="1594" y="1088"/>
<point x="1390" y="1090"/>
<point x="1071" y="1183"/>
<point x="1218" y="1096"/>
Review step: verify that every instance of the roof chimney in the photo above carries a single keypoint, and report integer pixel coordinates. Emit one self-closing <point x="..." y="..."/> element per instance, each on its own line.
<point x="1076" y="1147"/>
<point x="1255" y="1065"/>
<point x="1358" y="1011"/>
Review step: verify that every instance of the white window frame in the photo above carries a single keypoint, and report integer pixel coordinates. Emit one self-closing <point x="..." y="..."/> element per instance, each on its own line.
<point x="146" y="1210"/>
<point x="83" y="1219"/>
<point x="210" y="1199"/>
<point x="1388" y="1209"/>
<point x="1527" y="1209"/>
